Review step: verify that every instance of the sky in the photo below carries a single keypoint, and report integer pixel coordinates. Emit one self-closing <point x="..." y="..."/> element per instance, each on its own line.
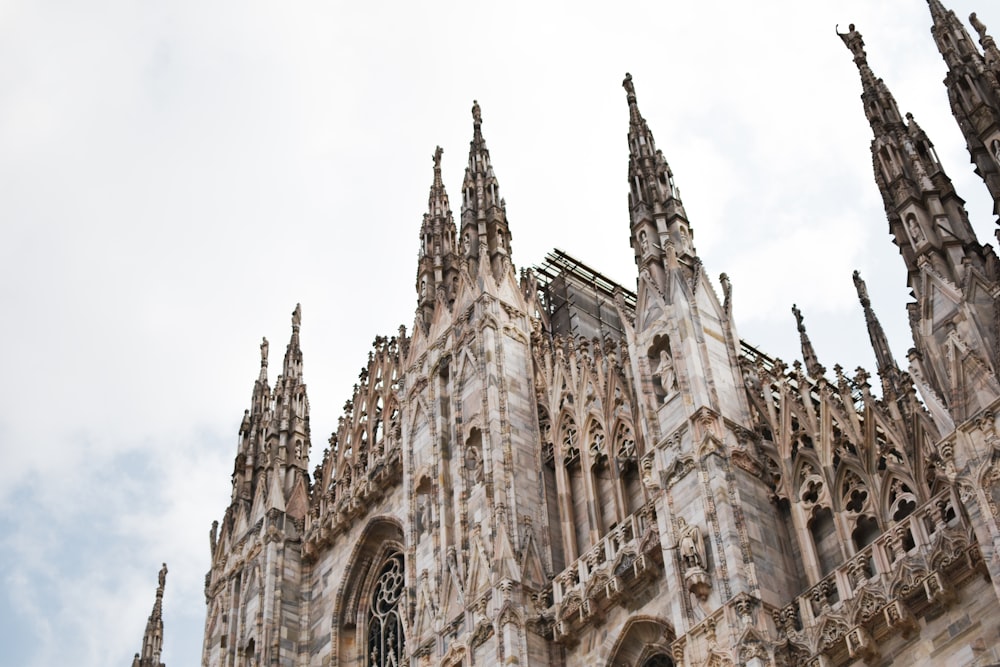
<point x="176" y="176"/>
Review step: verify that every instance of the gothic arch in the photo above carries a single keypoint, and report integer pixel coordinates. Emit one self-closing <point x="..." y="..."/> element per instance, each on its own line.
<point x="643" y="639"/>
<point x="381" y="544"/>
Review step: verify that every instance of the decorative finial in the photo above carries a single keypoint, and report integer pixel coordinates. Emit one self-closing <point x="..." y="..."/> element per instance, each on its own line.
<point x="263" y="352"/>
<point x="437" y="158"/>
<point x="978" y="25"/>
<point x="852" y="38"/>
<point x="297" y="316"/>
<point x="859" y="284"/>
<point x="477" y="115"/>
<point x="798" y="318"/>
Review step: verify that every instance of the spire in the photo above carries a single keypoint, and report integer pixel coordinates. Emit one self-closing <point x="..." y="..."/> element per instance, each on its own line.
<point x="880" y="106"/>
<point x="438" y="264"/>
<point x="888" y="371"/>
<point x="291" y="405"/>
<point x="249" y="456"/>
<point x="659" y="223"/>
<point x="292" y="368"/>
<point x="484" y="213"/>
<point x="926" y="216"/>
<point x="152" y="640"/>
<point x="813" y="367"/>
<point x="973" y="90"/>
<point x="947" y="268"/>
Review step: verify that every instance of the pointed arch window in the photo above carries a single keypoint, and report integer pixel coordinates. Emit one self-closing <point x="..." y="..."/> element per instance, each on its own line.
<point x="386" y="641"/>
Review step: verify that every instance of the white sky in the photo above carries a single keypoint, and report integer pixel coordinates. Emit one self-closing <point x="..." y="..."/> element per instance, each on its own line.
<point x="177" y="175"/>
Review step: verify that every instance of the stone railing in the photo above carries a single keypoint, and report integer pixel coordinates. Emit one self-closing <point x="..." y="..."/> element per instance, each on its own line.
<point x="908" y="570"/>
<point x="609" y="571"/>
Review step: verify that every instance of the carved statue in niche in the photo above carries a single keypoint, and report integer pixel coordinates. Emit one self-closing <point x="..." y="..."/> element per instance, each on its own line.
<point x="424" y="513"/>
<point x="474" y="464"/>
<point x="915" y="233"/>
<point x="691" y="545"/>
<point x="996" y="150"/>
<point x="691" y="548"/>
<point x="643" y="242"/>
<point x="668" y="377"/>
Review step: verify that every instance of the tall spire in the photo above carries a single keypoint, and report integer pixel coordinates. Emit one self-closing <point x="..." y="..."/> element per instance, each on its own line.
<point x="291" y="405"/>
<point x="926" y="216"/>
<point x="249" y="455"/>
<point x="484" y="213"/>
<point x="152" y="640"/>
<point x="950" y="274"/>
<point x="973" y="90"/>
<point x="888" y="370"/>
<point x="438" y="264"/>
<point x="813" y="367"/>
<point x="660" y="230"/>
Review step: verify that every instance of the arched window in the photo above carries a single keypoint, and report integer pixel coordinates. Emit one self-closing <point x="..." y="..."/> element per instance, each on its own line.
<point x="385" y="623"/>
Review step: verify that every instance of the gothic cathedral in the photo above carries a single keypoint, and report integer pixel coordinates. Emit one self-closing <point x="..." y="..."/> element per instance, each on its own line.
<point x="553" y="469"/>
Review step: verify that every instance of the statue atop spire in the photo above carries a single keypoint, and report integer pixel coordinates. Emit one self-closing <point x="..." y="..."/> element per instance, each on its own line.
<point x="660" y="229"/>
<point x="438" y="152"/>
<point x="437" y="268"/>
<point x="152" y="639"/>
<point x="484" y="214"/>
<point x="852" y="38"/>
<point x="815" y="369"/>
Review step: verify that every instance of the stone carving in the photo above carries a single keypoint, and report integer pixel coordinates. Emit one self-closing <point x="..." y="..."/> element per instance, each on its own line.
<point x="691" y="549"/>
<point x="665" y="369"/>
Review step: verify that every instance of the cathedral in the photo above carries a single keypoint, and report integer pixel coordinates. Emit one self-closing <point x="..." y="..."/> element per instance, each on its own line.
<point x="552" y="469"/>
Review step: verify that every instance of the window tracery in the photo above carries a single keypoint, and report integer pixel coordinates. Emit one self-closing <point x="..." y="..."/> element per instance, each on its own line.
<point x="598" y="455"/>
<point x="571" y="453"/>
<point x="386" y="640"/>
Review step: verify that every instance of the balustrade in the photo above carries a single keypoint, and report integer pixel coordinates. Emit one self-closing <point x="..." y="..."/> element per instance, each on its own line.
<point x="905" y="569"/>
<point x="599" y="576"/>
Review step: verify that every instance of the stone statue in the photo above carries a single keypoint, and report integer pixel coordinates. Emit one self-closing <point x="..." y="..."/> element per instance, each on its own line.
<point x="668" y="377"/>
<point x="978" y="25"/>
<point x="628" y="85"/>
<point x="692" y="546"/>
<point x="474" y="463"/>
<point x="915" y="233"/>
<point x="852" y="38"/>
<point x="264" y="346"/>
<point x="163" y="575"/>
<point x="297" y="316"/>
<point x="996" y="150"/>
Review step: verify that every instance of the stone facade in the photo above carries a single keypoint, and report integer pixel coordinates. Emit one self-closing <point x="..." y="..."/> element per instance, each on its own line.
<point x="550" y="469"/>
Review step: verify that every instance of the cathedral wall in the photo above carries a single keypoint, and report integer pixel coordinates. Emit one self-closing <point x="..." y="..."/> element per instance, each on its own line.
<point x="605" y="641"/>
<point x="329" y="581"/>
<point x="772" y="547"/>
